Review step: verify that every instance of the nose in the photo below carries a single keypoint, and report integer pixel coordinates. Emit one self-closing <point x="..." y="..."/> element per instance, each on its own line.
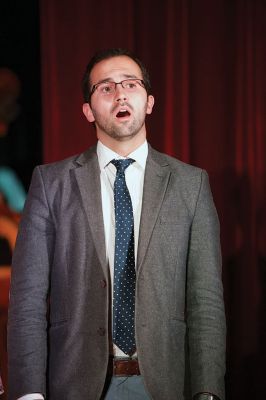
<point x="120" y="93"/>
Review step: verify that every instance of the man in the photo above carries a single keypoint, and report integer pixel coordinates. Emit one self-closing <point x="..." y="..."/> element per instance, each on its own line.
<point x="123" y="242"/>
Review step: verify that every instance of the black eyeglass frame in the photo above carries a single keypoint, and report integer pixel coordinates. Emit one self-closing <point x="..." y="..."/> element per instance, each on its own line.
<point x="94" y="87"/>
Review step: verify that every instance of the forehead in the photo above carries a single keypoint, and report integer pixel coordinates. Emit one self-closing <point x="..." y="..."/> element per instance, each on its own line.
<point x="118" y="67"/>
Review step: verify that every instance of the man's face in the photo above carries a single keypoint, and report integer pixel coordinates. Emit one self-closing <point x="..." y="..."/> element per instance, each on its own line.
<point x="120" y="115"/>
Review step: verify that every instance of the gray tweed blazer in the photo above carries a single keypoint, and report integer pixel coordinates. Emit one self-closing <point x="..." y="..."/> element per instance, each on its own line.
<point x="59" y="316"/>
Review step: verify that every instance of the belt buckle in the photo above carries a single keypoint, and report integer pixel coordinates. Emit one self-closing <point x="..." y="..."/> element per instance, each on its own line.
<point x="128" y="367"/>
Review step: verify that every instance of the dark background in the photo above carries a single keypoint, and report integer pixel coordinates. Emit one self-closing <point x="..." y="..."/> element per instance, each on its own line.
<point x="21" y="149"/>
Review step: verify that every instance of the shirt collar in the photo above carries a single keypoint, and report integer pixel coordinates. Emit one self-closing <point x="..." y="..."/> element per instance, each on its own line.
<point x="105" y="155"/>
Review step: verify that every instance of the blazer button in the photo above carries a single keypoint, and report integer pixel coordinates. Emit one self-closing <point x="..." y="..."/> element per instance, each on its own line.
<point x="101" y="331"/>
<point x="103" y="283"/>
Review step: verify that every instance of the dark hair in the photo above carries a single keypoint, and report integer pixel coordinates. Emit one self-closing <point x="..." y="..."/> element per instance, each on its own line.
<point x="104" y="55"/>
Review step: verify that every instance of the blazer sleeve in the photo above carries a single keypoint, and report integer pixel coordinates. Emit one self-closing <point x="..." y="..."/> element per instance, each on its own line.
<point x="205" y="305"/>
<point x="27" y="322"/>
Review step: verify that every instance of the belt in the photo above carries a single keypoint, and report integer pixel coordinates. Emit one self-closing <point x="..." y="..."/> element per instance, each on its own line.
<point x="123" y="367"/>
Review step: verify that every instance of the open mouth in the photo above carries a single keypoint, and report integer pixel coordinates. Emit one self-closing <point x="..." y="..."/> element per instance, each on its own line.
<point x="122" y="114"/>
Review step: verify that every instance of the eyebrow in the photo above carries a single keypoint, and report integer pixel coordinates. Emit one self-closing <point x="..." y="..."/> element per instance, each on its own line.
<point x="126" y="76"/>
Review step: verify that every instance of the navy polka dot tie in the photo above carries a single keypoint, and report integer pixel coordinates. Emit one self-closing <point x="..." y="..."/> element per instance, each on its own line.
<point x="124" y="263"/>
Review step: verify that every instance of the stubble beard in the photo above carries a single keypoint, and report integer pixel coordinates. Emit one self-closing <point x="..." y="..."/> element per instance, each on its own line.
<point x="122" y="131"/>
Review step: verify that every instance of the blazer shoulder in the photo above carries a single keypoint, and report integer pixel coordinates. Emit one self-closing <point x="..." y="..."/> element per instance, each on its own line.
<point x="59" y="168"/>
<point x="176" y="166"/>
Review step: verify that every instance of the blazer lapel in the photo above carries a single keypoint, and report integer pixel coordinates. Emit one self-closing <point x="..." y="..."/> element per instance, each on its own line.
<point x="88" y="179"/>
<point x="156" y="179"/>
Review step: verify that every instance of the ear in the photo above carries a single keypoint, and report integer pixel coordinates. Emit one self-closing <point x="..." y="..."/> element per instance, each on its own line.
<point x="150" y="104"/>
<point x="87" y="111"/>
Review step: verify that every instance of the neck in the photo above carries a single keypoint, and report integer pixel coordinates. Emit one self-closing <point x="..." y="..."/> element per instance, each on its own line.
<point x="122" y="147"/>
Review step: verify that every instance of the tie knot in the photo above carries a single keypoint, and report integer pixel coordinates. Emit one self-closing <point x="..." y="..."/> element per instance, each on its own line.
<point x="121" y="165"/>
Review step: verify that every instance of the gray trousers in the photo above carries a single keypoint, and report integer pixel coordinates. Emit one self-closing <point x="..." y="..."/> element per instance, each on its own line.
<point x="127" y="388"/>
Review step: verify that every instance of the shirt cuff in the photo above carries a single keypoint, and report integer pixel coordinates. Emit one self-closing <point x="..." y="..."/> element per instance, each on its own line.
<point x="205" y="396"/>
<point x="32" y="396"/>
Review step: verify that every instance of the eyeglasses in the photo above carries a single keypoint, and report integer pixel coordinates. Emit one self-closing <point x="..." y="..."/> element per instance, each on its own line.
<point x="109" y="87"/>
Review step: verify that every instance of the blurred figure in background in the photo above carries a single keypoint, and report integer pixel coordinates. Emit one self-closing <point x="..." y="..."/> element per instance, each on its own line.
<point x="10" y="185"/>
<point x="12" y="192"/>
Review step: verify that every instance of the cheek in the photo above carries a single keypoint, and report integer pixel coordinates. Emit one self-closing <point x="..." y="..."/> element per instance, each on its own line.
<point x="102" y="109"/>
<point x="140" y="105"/>
<point x="143" y="104"/>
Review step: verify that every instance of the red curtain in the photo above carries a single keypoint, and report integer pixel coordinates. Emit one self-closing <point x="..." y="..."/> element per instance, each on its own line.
<point x="208" y="70"/>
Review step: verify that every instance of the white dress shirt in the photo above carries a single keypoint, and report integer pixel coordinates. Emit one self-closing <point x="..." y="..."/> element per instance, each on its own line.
<point x="134" y="179"/>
